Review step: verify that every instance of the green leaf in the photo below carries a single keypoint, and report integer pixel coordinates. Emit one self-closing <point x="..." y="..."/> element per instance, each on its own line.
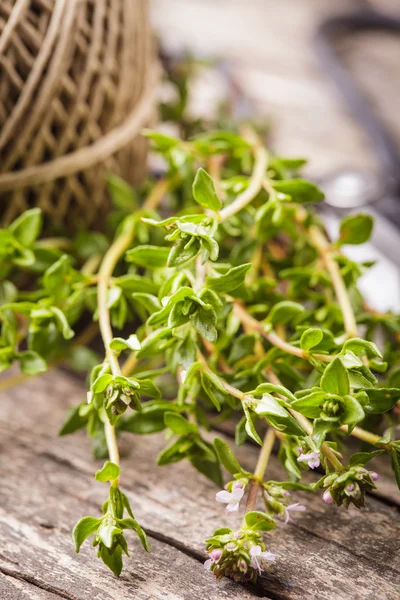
<point x="204" y="191"/>
<point x="26" y="228"/>
<point x="259" y="521"/>
<point x="180" y="295"/>
<point x="249" y="426"/>
<point x="56" y="279"/>
<point x="242" y="345"/>
<point x="174" y="452"/>
<point x="267" y="388"/>
<point x="109" y="472"/>
<point x="240" y="432"/>
<point x="100" y="384"/>
<point x="83" y="529"/>
<point x="310" y="404"/>
<point x="299" y="190"/>
<point x="204" y="321"/>
<point x="150" y="420"/>
<point x="213" y="387"/>
<point x="335" y="379"/>
<point x="311" y="337"/>
<point x="361" y="458"/>
<point x="355" y="229"/>
<point x="178" y="424"/>
<point x="277" y="416"/>
<point x="131" y="523"/>
<point x="122" y="194"/>
<point x="74" y="421"/>
<point x="226" y="457"/>
<point x="380" y="400"/>
<point x="32" y="363"/>
<point x="268" y="405"/>
<point x="160" y="141"/>
<point x="108" y="533"/>
<point x="320" y="429"/>
<point x="394" y="378"/>
<point x="149" y="388"/>
<point x="395" y="462"/>
<point x="112" y="559"/>
<point x="132" y="343"/>
<point x="353" y="411"/>
<point x="359" y="347"/>
<point x="211" y="469"/>
<point x="284" y="311"/>
<point x="182" y="252"/>
<point x="150" y="257"/>
<point x="62" y="323"/>
<point x="156" y="342"/>
<point x="151" y="303"/>
<point x="230" y="280"/>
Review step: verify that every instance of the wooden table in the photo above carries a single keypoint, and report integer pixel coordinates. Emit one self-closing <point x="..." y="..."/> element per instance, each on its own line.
<point x="48" y="484"/>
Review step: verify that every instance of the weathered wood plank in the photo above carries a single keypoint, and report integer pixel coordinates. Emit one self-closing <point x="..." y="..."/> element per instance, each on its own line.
<point x="13" y="588"/>
<point x="316" y="559"/>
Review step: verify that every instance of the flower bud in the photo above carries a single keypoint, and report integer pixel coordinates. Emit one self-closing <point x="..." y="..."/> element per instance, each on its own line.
<point x="216" y="555"/>
<point x="327" y="497"/>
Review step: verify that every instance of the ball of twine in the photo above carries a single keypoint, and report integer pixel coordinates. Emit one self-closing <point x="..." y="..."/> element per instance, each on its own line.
<point x="77" y="83"/>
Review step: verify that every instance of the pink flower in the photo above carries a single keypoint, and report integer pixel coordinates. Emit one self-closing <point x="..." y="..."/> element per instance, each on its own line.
<point x="374" y="476"/>
<point x="231" y="499"/>
<point x="215" y="555"/>
<point x="327" y="497"/>
<point x="293" y="508"/>
<point x="257" y="555"/>
<point x="312" y="459"/>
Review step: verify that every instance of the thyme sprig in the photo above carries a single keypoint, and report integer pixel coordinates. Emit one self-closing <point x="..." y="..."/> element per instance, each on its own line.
<point x="230" y="303"/>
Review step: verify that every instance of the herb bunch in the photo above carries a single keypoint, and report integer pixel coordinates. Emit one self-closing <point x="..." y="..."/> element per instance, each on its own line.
<point x="231" y="304"/>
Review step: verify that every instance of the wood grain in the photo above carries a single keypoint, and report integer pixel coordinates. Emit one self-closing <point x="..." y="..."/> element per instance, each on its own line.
<point x="50" y="485"/>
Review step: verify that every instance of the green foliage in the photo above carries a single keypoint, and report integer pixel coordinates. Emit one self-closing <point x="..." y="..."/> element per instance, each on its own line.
<point x="204" y="191"/>
<point x="355" y="229"/>
<point x="220" y="318"/>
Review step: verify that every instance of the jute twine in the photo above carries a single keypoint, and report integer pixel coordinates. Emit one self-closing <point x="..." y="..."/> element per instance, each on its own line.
<point x="77" y="84"/>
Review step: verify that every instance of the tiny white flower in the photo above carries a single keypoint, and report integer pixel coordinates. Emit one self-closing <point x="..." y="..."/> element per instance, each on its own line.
<point x="231" y="499"/>
<point x="257" y="555"/>
<point x="215" y="555"/>
<point x="327" y="497"/>
<point x="293" y="508"/>
<point x="312" y="459"/>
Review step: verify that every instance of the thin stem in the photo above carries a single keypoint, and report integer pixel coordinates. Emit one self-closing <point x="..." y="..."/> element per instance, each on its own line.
<point x="260" y="469"/>
<point x="57" y="243"/>
<point x="272" y="337"/>
<point x="255" y="182"/>
<point x="111" y="258"/>
<point x="227" y="387"/>
<point x="363" y="435"/>
<point x="215" y="163"/>
<point x="323" y="247"/>
<point x="91" y="265"/>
